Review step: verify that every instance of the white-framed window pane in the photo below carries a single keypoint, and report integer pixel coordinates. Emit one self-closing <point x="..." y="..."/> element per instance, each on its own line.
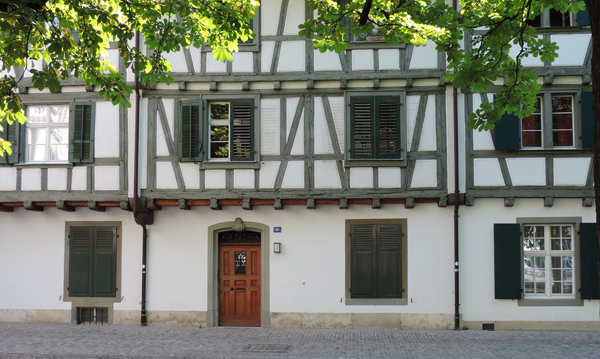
<point x="533" y="238"/>
<point x="36" y="153"/>
<point x="37" y="114"/>
<point x="59" y="114"/>
<point x="531" y="127"/>
<point x="562" y="121"/>
<point x="59" y="152"/>
<point x="36" y="136"/>
<point x="59" y="135"/>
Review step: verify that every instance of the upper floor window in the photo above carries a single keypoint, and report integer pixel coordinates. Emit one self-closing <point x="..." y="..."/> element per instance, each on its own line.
<point x="376" y="128"/>
<point x="53" y="134"/>
<point x="217" y="131"/>
<point x="532" y="127"/>
<point x="47" y="134"/>
<point x="558" y="122"/>
<point x="554" y="18"/>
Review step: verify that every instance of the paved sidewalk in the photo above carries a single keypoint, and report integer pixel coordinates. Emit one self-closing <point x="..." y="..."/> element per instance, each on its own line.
<point x="76" y="341"/>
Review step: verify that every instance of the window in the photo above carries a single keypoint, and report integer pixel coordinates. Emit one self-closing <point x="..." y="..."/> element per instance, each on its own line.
<point x="556" y="123"/>
<point x="54" y="134"/>
<point x="376" y="128"/>
<point x="549" y="261"/>
<point x="92" y="262"/>
<point x="223" y="132"/>
<point x="376" y="261"/>
<point x="554" y="18"/>
<point x="47" y="134"/>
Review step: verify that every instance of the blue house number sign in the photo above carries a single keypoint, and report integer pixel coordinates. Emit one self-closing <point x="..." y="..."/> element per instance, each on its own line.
<point x="276" y="229"/>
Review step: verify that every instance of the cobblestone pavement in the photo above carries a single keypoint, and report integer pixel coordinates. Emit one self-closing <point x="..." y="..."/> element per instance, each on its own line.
<point x="75" y="341"/>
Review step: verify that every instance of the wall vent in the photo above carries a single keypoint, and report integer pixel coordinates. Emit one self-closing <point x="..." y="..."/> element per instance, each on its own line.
<point x="487" y="326"/>
<point x="92" y="316"/>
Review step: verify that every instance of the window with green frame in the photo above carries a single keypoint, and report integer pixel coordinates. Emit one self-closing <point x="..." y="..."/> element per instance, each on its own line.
<point x="217" y="131"/>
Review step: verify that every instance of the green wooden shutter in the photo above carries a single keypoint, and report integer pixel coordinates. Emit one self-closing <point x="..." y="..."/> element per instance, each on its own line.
<point x="190" y="131"/>
<point x="583" y="18"/>
<point x="105" y="262"/>
<point x="507" y="133"/>
<point x="81" y="132"/>
<point x="389" y="261"/>
<point x="363" y="261"/>
<point x="11" y="134"/>
<point x="241" y="141"/>
<point x="81" y="261"/>
<point x="588" y="257"/>
<point x="588" y="124"/>
<point x="388" y="127"/>
<point x="508" y="261"/>
<point x="361" y="127"/>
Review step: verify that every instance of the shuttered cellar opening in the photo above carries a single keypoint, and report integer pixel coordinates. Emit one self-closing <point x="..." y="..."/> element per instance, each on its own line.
<point x="92" y="315"/>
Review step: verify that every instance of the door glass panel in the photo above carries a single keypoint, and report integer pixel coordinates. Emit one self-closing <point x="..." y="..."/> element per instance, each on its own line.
<point x="240" y="262"/>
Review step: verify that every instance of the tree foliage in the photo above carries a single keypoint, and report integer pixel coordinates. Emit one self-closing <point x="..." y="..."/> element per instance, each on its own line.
<point x="498" y="26"/>
<point x="71" y="38"/>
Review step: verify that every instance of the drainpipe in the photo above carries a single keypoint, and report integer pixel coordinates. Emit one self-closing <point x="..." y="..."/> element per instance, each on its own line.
<point x="456" y="203"/>
<point x="136" y="199"/>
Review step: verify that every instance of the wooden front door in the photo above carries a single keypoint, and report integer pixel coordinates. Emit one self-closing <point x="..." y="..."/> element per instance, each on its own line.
<point x="239" y="284"/>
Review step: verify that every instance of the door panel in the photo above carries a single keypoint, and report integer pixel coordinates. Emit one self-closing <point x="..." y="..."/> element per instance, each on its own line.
<point x="239" y="284"/>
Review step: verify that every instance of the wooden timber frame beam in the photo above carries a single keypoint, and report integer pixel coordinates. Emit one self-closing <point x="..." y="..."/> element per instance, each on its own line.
<point x="67" y="206"/>
<point x="280" y="203"/>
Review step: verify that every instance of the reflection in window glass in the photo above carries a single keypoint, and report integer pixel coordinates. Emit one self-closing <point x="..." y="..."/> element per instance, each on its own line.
<point x="531" y="127"/>
<point x="219" y="131"/>
<point x="562" y="121"/>
<point x="240" y="262"/>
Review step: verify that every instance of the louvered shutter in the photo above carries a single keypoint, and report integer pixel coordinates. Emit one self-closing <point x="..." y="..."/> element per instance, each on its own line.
<point x="508" y="261"/>
<point x="105" y="262"/>
<point x="389" y="261"/>
<point x="387" y="116"/>
<point x="190" y="131"/>
<point x="81" y="261"/>
<point x="588" y="125"/>
<point x="583" y="18"/>
<point x="241" y="144"/>
<point x="507" y="133"/>
<point x="11" y="134"/>
<point x="362" y="112"/>
<point x="363" y="261"/>
<point x="588" y="250"/>
<point x="81" y="133"/>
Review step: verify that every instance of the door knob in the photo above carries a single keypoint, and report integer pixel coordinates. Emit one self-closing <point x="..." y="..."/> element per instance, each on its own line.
<point x="231" y="288"/>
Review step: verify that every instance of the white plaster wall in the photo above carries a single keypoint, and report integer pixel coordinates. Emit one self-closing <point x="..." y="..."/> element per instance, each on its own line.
<point x="243" y="179"/>
<point x="527" y="171"/>
<point x="106" y="178"/>
<point x="327" y="61"/>
<point x="361" y="177"/>
<point x="476" y="233"/>
<point x="389" y="59"/>
<point x="424" y="57"/>
<point x="291" y="56"/>
<point x="268" y="173"/>
<point x="322" y="138"/>
<point x="8" y="179"/>
<point x="31" y="179"/>
<point x="215" y="179"/>
<point x="362" y="60"/>
<point x="571" y="171"/>
<point x="165" y="177"/>
<point x="428" y="139"/>
<point x="425" y="174"/>
<point x="294" y="175"/>
<point x="177" y="279"/>
<point x="191" y="175"/>
<point x="177" y="61"/>
<point x="390" y="177"/>
<point x="266" y="55"/>
<point x="32" y="257"/>
<point x="412" y="108"/>
<point x="106" y="140"/>
<point x="327" y="175"/>
<point x="79" y="178"/>
<point x="213" y="65"/>
<point x="526" y="61"/>
<point x="243" y="62"/>
<point x="269" y="16"/>
<point x="57" y="179"/>
<point x="294" y="17"/>
<point x="571" y="49"/>
<point x="337" y="110"/>
<point x="487" y="172"/>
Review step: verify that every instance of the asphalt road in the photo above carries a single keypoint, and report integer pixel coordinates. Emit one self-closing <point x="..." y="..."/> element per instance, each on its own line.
<point x="19" y="340"/>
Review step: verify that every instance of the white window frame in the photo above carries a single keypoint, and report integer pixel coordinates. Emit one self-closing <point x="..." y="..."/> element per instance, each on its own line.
<point x="547" y="253"/>
<point x="48" y="126"/>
